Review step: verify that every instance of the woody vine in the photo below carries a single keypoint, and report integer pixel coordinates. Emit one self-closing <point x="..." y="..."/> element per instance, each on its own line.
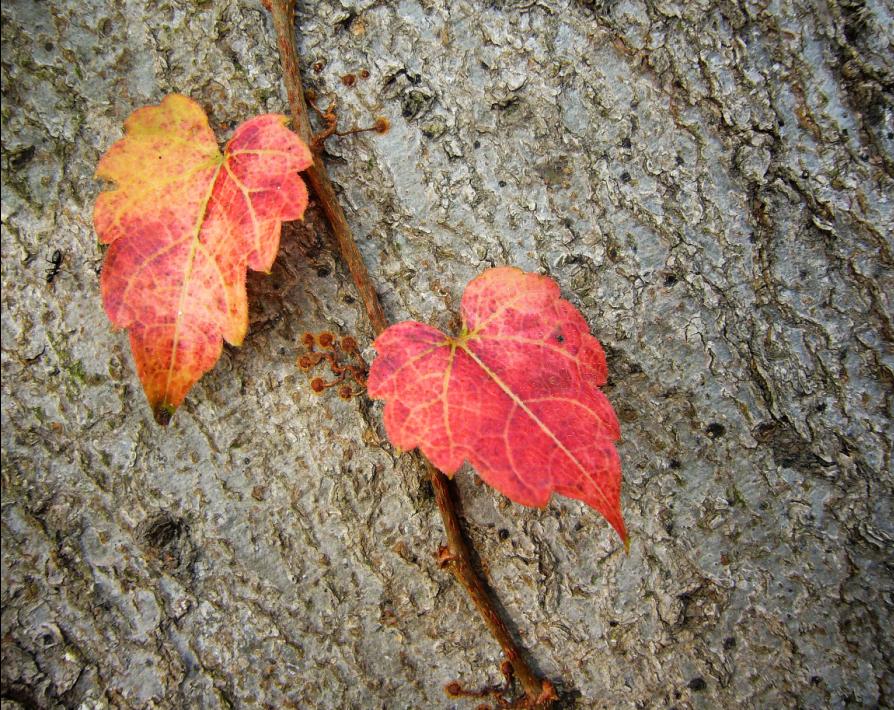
<point x="515" y="393"/>
<point x="456" y="556"/>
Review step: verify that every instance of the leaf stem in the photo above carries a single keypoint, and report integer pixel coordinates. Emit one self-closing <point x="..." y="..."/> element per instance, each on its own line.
<point x="539" y="692"/>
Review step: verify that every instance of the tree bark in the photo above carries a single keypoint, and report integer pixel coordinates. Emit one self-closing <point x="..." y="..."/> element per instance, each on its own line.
<point x="709" y="183"/>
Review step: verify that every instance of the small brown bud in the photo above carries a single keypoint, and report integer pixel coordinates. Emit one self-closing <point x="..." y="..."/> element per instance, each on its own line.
<point x="506" y="669"/>
<point x="307" y="339"/>
<point x="454" y="689"/>
<point x="348" y="343"/>
<point x="318" y="384"/>
<point x="326" y="339"/>
<point x="345" y="392"/>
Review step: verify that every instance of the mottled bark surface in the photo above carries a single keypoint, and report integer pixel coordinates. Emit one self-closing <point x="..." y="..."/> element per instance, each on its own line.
<point x="710" y="183"/>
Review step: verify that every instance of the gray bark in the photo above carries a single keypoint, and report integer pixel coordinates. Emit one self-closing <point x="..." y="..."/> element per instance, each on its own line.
<point x="711" y="183"/>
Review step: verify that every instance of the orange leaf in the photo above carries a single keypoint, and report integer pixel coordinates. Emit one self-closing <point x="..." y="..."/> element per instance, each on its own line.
<point x="184" y="224"/>
<point x="516" y="394"/>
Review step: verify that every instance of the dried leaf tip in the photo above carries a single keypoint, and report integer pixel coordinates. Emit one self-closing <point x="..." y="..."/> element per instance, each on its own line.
<point x="163" y="413"/>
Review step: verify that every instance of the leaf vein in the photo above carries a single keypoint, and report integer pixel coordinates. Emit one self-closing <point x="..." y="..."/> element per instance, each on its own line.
<point x="520" y="403"/>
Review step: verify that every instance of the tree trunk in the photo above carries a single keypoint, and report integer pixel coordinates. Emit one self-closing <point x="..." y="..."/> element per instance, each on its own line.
<point x="710" y="183"/>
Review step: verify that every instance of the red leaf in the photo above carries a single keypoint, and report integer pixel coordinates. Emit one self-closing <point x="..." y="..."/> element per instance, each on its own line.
<point x="515" y="394"/>
<point x="184" y="224"/>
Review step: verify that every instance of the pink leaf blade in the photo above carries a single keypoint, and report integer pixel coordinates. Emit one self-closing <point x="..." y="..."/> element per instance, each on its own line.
<point x="415" y="368"/>
<point x="506" y="304"/>
<point x="515" y="394"/>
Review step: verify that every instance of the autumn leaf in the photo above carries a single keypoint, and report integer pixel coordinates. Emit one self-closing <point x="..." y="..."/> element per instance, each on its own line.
<point x="516" y="394"/>
<point x="184" y="224"/>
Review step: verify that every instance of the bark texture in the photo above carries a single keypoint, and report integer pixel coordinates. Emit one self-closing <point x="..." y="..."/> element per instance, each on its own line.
<point x="711" y="183"/>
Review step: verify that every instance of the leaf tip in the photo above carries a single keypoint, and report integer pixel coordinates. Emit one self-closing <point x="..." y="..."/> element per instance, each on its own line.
<point x="163" y="413"/>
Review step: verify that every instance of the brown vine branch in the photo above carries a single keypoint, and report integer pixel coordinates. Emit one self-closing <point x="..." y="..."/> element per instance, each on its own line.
<point x="457" y="559"/>
<point x="538" y="692"/>
<point x="283" y="15"/>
